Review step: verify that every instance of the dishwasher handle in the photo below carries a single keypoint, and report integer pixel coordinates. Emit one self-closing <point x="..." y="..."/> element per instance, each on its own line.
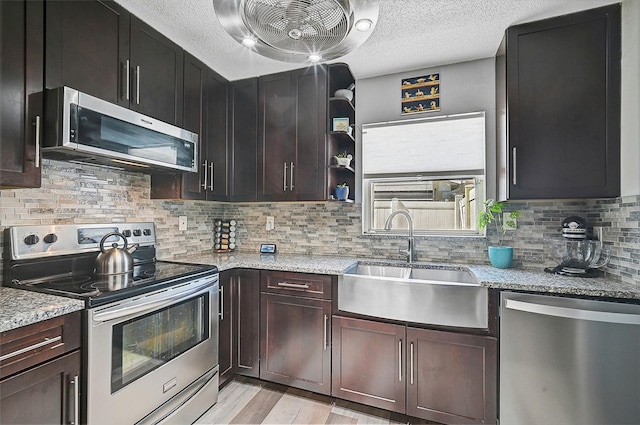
<point x="573" y="313"/>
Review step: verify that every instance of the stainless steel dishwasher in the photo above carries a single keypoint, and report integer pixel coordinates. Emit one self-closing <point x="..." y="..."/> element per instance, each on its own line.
<point x="568" y="361"/>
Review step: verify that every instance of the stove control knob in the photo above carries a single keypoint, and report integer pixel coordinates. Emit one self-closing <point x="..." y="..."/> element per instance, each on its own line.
<point x="31" y="239"/>
<point x="146" y="232"/>
<point x="127" y="233"/>
<point x="50" y="238"/>
<point x="137" y="232"/>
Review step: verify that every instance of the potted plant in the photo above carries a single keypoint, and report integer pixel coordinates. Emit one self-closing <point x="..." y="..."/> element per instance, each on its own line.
<point x="342" y="192"/>
<point x="343" y="159"/>
<point x="500" y="256"/>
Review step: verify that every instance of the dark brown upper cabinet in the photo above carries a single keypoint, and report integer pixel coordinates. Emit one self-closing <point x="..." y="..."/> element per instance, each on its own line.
<point x="558" y="107"/>
<point x="292" y="135"/>
<point x="21" y="78"/>
<point x="99" y="48"/>
<point x="243" y="129"/>
<point x="205" y="113"/>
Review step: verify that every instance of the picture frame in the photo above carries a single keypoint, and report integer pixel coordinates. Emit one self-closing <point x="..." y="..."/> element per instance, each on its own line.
<point x="420" y="94"/>
<point x="341" y="124"/>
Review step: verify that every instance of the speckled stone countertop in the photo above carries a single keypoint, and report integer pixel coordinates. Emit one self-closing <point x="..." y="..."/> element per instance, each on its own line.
<point x="281" y="262"/>
<point x="535" y="280"/>
<point x="19" y="307"/>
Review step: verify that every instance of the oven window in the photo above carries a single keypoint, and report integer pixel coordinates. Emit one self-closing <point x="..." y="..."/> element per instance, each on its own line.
<point x="142" y="344"/>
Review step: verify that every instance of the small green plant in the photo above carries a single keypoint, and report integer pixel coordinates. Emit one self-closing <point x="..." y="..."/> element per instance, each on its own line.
<point x="492" y="213"/>
<point x="342" y="155"/>
<point x="343" y="185"/>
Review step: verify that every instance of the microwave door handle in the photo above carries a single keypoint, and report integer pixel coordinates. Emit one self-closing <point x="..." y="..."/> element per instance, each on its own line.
<point x="137" y="309"/>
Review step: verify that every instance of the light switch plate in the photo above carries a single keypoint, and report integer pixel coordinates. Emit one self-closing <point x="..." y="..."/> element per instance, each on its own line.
<point x="270" y="223"/>
<point x="182" y="222"/>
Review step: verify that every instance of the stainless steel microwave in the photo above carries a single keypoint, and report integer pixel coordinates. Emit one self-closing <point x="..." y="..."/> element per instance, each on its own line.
<point x="82" y="128"/>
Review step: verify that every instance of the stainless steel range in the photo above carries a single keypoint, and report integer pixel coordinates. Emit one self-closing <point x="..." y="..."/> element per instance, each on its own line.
<point x="151" y="333"/>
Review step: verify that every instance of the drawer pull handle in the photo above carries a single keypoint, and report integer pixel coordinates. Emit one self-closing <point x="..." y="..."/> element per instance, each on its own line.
<point x="293" y="285"/>
<point x="47" y="341"/>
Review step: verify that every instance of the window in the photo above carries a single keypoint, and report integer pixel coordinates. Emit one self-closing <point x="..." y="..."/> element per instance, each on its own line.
<point x="433" y="168"/>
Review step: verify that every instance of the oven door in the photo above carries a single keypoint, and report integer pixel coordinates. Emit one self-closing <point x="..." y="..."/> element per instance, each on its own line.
<point x="149" y="355"/>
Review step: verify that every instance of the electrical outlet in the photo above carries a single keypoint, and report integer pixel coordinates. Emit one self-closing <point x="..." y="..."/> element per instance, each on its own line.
<point x="507" y="220"/>
<point x="182" y="222"/>
<point x="270" y="223"/>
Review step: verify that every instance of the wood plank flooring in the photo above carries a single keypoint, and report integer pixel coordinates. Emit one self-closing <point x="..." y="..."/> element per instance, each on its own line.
<point x="251" y="401"/>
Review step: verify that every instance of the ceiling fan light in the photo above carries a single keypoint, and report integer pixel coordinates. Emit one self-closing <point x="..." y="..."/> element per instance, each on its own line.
<point x="249" y="42"/>
<point x="364" y="25"/>
<point x="289" y="30"/>
<point x="314" y="58"/>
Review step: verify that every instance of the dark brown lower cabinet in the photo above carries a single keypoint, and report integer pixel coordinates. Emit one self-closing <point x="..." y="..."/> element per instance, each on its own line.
<point x="294" y="343"/>
<point x="239" y="319"/>
<point x="43" y="394"/>
<point x="443" y="377"/>
<point x="368" y="363"/>
<point x="452" y="377"/>
<point x="248" y="322"/>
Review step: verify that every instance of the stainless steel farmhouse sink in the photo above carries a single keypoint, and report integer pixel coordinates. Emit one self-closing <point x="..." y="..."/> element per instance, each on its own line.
<point x="447" y="297"/>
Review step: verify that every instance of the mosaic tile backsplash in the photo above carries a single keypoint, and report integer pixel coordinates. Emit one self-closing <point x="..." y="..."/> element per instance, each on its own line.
<point x="73" y="193"/>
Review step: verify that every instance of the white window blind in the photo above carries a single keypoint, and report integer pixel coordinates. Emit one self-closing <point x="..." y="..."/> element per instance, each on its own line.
<point x="429" y="145"/>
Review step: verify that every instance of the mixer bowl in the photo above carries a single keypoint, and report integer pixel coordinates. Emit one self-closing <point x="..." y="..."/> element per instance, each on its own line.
<point x="579" y="255"/>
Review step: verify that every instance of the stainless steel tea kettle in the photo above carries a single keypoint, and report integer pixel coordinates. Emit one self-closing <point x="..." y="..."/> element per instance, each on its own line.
<point x="115" y="261"/>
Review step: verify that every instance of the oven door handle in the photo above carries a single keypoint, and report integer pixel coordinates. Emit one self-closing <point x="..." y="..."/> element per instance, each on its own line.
<point x="137" y="309"/>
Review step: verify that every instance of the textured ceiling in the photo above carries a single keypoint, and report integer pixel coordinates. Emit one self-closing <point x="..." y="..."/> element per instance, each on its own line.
<point x="410" y="34"/>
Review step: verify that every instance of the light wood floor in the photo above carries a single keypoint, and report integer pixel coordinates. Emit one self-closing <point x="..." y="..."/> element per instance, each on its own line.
<point x="250" y="401"/>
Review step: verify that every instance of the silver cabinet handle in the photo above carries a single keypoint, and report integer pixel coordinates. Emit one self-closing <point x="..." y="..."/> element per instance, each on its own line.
<point x="211" y="173"/>
<point x="325" y="333"/>
<point x="138" y="84"/>
<point x="513" y="154"/>
<point x="411" y="363"/>
<point x="76" y="400"/>
<point x="400" y="360"/>
<point x="284" y="178"/>
<point x="293" y="285"/>
<point x="126" y="80"/>
<point x="291" y="180"/>
<point x="40" y="344"/>
<point x="37" y="139"/>
<point x="221" y="312"/>
<point x="206" y="169"/>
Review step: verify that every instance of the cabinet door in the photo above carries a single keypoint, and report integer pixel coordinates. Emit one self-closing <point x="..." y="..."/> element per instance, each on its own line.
<point x="88" y="48"/>
<point x="227" y="348"/>
<point x="243" y="130"/>
<point x="369" y="363"/>
<point x="294" y="342"/>
<point x="248" y="320"/>
<point x="452" y="377"/>
<point x="215" y="131"/>
<point x="276" y="138"/>
<point x="157" y="74"/>
<point x="195" y="79"/>
<point x="563" y="97"/>
<point x="310" y="120"/>
<point x="21" y="75"/>
<point x="44" y="394"/>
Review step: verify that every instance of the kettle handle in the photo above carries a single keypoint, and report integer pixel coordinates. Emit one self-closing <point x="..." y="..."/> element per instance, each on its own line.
<point x="105" y="237"/>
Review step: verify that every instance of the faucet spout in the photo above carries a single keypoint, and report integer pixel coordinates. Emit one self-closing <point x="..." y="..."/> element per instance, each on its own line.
<point x="387" y="226"/>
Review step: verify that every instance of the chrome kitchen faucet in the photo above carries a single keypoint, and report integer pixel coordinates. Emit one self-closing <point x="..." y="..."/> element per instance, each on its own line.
<point x="387" y="226"/>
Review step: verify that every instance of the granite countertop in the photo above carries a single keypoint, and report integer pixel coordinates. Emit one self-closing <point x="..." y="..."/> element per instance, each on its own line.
<point x="535" y="280"/>
<point x="19" y="307"/>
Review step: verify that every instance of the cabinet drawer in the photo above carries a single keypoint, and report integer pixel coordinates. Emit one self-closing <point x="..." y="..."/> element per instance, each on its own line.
<point x="29" y="345"/>
<point x="301" y="284"/>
